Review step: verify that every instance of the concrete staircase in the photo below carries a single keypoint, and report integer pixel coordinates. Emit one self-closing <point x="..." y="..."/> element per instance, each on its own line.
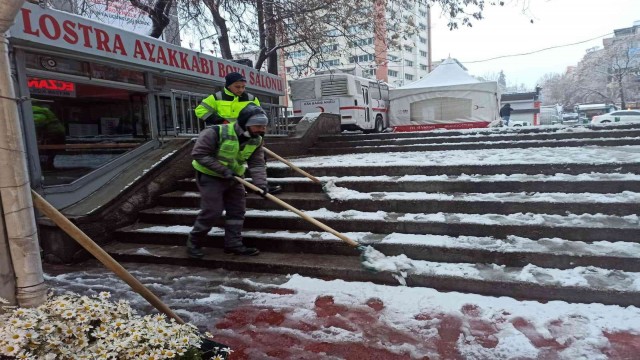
<point x="468" y="228"/>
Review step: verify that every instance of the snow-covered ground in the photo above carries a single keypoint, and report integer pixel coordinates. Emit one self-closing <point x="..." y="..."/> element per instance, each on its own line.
<point x="414" y="322"/>
<point x="294" y="315"/>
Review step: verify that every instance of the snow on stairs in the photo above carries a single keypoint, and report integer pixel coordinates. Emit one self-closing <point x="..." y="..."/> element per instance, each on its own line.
<point x="499" y="233"/>
<point x="476" y="140"/>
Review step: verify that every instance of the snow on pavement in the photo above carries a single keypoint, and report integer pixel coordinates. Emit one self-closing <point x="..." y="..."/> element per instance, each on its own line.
<point x="316" y="319"/>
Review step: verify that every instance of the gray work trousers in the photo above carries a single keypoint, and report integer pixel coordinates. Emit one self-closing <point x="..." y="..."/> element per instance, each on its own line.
<point x="218" y="194"/>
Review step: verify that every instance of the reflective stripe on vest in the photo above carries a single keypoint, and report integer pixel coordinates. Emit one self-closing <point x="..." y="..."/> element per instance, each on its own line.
<point x="229" y="153"/>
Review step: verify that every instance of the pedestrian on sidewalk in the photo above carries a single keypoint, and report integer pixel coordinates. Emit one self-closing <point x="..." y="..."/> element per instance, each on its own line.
<point x="220" y="153"/>
<point x="505" y="113"/>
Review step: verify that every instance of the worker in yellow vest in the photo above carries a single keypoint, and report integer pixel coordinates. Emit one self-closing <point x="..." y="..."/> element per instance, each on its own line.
<point x="220" y="153"/>
<point x="225" y="105"/>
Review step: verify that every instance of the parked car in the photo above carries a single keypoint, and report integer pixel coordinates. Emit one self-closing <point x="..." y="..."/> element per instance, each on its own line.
<point x="519" y="123"/>
<point x="617" y="116"/>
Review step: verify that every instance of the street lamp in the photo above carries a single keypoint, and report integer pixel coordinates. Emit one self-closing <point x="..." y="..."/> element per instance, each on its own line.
<point x="205" y="38"/>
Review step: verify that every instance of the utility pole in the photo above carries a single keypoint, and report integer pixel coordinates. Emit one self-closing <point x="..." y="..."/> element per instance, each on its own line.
<point x="18" y="227"/>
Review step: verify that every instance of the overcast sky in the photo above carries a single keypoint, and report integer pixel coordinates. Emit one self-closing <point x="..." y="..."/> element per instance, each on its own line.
<point x="507" y="31"/>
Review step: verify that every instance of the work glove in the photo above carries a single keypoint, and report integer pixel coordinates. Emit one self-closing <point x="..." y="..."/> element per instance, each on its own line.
<point x="264" y="190"/>
<point x="228" y="174"/>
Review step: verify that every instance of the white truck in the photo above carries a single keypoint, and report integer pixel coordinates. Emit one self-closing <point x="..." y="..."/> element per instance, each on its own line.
<point x="362" y="103"/>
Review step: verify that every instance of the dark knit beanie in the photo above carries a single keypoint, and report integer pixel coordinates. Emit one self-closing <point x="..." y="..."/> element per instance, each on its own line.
<point x="233" y="77"/>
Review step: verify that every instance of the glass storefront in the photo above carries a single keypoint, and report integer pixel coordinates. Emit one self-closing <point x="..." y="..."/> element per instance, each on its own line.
<point x="82" y="126"/>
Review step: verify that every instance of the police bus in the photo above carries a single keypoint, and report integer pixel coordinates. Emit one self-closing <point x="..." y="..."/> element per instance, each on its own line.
<point x="361" y="103"/>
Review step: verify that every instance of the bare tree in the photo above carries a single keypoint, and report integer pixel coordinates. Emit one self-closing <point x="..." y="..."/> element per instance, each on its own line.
<point x="155" y="10"/>
<point x="621" y="58"/>
<point x="308" y="29"/>
<point x="559" y="89"/>
<point x="604" y="75"/>
<point x="158" y="12"/>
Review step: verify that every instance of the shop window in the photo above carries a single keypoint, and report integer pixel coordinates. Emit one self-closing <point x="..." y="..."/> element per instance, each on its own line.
<point x="84" y="68"/>
<point x="57" y="64"/>
<point x="81" y="127"/>
<point x="106" y="72"/>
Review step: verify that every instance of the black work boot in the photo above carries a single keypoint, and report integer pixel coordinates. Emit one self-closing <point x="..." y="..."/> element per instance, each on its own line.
<point x="274" y="189"/>
<point x="193" y="250"/>
<point x="242" y="250"/>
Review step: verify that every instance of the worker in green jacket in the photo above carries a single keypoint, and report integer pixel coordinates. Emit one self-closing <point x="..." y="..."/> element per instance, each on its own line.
<point x="220" y="153"/>
<point x="49" y="130"/>
<point x="224" y="106"/>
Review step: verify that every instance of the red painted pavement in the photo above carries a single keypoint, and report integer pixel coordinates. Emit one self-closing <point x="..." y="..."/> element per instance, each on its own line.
<point x="263" y="332"/>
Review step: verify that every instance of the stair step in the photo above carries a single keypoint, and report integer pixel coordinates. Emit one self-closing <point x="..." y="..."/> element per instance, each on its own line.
<point x="500" y="203"/>
<point x="586" y="227"/>
<point x="601" y="183"/>
<point x="513" y="251"/>
<point x="349" y="166"/>
<point x="582" y="285"/>
<point x="486" y="132"/>
<point x="346" y="141"/>
<point x="476" y="145"/>
<point x="298" y="184"/>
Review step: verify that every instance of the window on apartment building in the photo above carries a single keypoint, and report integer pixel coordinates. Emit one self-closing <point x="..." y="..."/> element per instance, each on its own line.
<point x="361" y="42"/>
<point x="424" y="67"/>
<point x="294" y="69"/>
<point x="408" y="48"/>
<point x="423" y="53"/>
<point x="393" y="73"/>
<point x="422" y="26"/>
<point x="361" y="58"/>
<point x="408" y="77"/>
<point x="356" y="29"/>
<point x="408" y="62"/>
<point x="422" y="40"/>
<point x="333" y="33"/>
<point x="328" y="63"/>
<point x="369" y="72"/>
<point x="329" y="48"/>
<point x="298" y="54"/>
<point x="423" y="13"/>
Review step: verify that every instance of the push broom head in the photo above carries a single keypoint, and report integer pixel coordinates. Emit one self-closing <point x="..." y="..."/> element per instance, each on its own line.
<point x="373" y="260"/>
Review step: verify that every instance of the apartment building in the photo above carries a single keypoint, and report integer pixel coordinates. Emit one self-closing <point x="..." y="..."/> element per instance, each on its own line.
<point x="363" y="53"/>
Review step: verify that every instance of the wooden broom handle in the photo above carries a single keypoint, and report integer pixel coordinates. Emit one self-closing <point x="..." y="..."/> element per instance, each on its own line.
<point x="300" y="213"/>
<point x="72" y="230"/>
<point x="272" y="154"/>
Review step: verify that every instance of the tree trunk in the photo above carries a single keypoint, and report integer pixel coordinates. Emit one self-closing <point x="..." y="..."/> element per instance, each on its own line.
<point x="270" y="22"/>
<point x="15" y="192"/>
<point x="262" y="42"/>
<point x="221" y="29"/>
<point x="623" y="103"/>
<point x="158" y="13"/>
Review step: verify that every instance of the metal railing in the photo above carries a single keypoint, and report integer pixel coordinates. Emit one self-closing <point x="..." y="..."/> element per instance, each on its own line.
<point x="279" y="121"/>
<point x="183" y="104"/>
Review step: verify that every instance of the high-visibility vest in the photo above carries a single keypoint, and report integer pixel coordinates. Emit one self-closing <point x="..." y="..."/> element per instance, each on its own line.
<point x="229" y="153"/>
<point x="223" y="105"/>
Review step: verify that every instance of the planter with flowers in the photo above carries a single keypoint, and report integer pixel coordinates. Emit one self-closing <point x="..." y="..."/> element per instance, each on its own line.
<point x="71" y="326"/>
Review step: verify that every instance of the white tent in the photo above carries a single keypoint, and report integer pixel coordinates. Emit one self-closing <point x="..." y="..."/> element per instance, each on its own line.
<point x="447" y="95"/>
